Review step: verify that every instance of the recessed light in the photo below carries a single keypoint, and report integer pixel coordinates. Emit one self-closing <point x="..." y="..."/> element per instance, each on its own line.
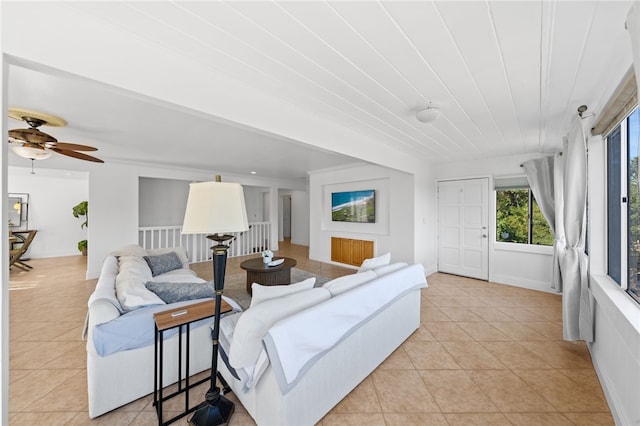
<point x="253" y="173"/>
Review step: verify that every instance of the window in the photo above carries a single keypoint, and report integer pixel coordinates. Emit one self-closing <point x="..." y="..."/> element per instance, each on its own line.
<point x="623" y="205"/>
<point x="518" y="218"/>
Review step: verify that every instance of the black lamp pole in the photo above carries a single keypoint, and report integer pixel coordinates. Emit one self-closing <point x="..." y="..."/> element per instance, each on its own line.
<point x="216" y="409"/>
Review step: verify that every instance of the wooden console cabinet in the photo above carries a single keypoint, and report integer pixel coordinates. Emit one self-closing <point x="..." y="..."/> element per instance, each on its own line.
<point x="350" y="251"/>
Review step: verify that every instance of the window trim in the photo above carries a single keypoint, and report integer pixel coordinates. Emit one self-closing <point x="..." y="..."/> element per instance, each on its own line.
<point x="522" y="247"/>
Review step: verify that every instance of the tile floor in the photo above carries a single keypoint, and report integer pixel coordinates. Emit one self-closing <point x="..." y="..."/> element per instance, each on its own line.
<point x="485" y="354"/>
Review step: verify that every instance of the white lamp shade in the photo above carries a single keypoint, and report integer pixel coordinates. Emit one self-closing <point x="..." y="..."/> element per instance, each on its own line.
<point x="31" y="152"/>
<point x="215" y="208"/>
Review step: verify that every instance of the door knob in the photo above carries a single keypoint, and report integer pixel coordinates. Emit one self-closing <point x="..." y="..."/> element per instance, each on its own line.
<point x="484" y="235"/>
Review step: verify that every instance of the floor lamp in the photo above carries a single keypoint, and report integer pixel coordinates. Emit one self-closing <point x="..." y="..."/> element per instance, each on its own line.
<point x="215" y="208"/>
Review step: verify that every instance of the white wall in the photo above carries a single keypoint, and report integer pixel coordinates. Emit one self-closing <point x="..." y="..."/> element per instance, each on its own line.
<point x="425" y="229"/>
<point x="162" y="201"/>
<point x="300" y="217"/>
<point x="616" y="349"/>
<point x="114" y="201"/>
<point x="394" y="228"/>
<point x="52" y="195"/>
<point x="514" y="264"/>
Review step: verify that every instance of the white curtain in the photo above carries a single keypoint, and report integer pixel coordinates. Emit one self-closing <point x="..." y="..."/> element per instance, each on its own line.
<point x="543" y="175"/>
<point x="570" y="201"/>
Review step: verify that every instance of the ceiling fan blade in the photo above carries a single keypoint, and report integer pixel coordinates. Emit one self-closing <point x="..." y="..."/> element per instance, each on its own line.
<point x="71" y="146"/>
<point x="78" y="155"/>
<point x="31" y="135"/>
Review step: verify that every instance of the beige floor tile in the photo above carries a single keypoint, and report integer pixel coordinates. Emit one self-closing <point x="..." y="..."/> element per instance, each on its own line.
<point x="430" y="356"/>
<point x="113" y="418"/>
<point x="403" y="391"/>
<point x="509" y="392"/>
<point x="519" y="332"/>
<point x="455" y="392"/>
<point x="447" y="301"/>
<point x="42" y="418"/>
<point x="447" y="331"/>
<point x="562" y="392"/>
<point x="47" y="357"/>
<point x="472" y="356"/>
<point x="398" y="360"/>
<point x="477" y="419"/>
<point x="422" y="335"/>
<point x="430" y="313"/>
<point x="39" y="354"/>
<point x="522" y="314"/>
<point x="17" y="375"/>
<point x="32" y="387"/>
<point x="460" y="314"/>
<point x="353" y="419"/>
<point x="241" y="419"/>
<point x="74" y="357"/>
<point x="558" y="354"/>
<point x="514" y="355"/>
<point x="538" y="419"/>
<point x="549" y="329"/>
<point x="413" y="419"/>
<point x="483" y="331"/>
<point x="71" y="395"/>
<point x="591" y="419"/>
<point x="363" y="399"/>
<point x="491" y="314"/>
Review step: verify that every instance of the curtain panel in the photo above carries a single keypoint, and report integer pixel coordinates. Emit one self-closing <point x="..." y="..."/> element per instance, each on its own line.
<point x="544" y="174"/>
<point x="577" y="301"/>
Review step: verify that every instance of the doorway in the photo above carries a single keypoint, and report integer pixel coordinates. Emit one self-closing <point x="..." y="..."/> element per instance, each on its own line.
<point x="286" y="217"/>
<point x="463" y="243"/>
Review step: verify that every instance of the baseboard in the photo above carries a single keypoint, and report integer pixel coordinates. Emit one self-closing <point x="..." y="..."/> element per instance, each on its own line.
<point x="431" y="269"/>
<point x="609" y="392"/>
<point x="522" y="283"/>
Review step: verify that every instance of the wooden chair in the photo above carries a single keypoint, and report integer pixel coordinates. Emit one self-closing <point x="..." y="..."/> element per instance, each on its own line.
<point x="16" y="253"/>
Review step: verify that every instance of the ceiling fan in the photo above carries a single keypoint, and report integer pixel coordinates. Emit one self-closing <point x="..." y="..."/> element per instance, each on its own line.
<point x="34" y="144"/>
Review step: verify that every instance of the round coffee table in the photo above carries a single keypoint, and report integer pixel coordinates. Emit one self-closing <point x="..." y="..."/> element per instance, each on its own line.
<point x="259" y="272"/>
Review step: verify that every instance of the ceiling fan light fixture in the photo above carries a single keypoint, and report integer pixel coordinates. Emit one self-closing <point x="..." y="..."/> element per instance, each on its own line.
<point x="428" y="113"/>
<point x="31" y="153"/>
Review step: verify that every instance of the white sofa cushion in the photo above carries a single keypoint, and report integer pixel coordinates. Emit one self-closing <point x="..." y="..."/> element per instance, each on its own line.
<point x="342" y="284"/>
<point x="387" y="269"/>
<point x="257" y="320"/>
<point x="260" y="293"/>
<point x="130" y="284"/>
<point x="130" y="250"/>
<point x="375" y="262"/>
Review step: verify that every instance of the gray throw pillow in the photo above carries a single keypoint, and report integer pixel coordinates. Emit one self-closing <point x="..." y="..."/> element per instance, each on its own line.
<point x="179" y="292"/>
<point x="163" y="263"/>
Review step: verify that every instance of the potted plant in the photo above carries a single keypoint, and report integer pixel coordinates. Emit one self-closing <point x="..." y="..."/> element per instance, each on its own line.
<point x="82" y="209"/>
<point x="267" y="256"/>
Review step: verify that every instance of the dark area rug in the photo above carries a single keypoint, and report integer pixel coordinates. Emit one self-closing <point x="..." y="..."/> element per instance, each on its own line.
<point x="235" y="285"/>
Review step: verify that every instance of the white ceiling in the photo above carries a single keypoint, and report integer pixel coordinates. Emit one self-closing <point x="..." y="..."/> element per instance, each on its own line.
<point x="507" y="75"/>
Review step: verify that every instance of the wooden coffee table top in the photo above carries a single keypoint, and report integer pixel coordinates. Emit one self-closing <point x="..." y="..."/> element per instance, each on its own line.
<point x="257" y="265"/>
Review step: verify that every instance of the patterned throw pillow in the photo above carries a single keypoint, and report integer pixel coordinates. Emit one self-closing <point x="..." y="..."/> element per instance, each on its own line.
<point x="179" y="292"/>
<point x="163" y="263"/>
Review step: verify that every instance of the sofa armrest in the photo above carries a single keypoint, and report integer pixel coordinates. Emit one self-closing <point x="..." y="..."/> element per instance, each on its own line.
<point x="100" y="311"/>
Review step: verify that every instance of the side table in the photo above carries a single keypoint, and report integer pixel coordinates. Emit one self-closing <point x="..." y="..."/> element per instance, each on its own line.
<point x="259" y="272"/>
<point x="166" y="320"/>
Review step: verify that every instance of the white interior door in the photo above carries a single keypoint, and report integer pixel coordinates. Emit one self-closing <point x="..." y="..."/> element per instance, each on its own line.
<point x="463" y="243"/>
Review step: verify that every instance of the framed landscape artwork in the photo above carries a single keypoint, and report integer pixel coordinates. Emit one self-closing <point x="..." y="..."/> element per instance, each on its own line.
<point x="354" y="206"/>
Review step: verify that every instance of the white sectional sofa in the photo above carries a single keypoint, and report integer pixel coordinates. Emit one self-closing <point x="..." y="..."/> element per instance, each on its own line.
<point x="120" y="330"/>
<point x="292" y="358"/>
